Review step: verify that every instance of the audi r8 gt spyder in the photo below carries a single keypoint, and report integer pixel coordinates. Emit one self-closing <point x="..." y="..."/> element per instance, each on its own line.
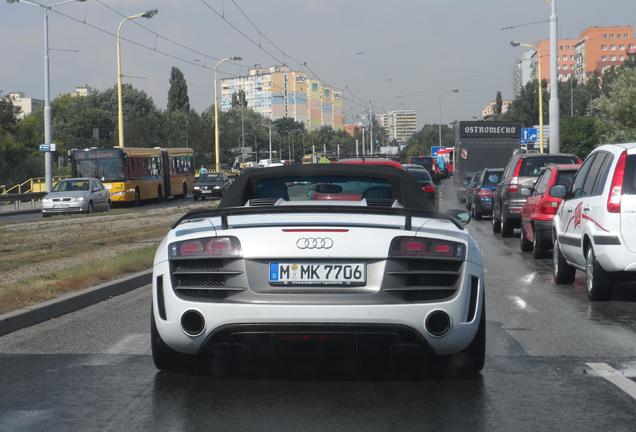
<point x="379" y="271"/>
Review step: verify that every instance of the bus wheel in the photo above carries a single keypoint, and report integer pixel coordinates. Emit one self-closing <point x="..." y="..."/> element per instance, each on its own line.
<point x="159" y="194"/>
<point x="185" y="190"/>
<point x="137" y="197"/>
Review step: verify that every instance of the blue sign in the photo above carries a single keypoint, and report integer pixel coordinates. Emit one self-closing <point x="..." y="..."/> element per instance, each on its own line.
<point x="529" y="135"/>
<point x="435" y="149"/>
<point x="47" y="147"/>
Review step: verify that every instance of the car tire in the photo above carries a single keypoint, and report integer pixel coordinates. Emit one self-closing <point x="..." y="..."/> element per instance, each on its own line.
<point x="598" y="281"/>
<point x="507" y="228"/>
<point x="467" y="363"/>
<point x="168" y="360"/>
<point x="137" y="197"/>
<point x="476" y="214"/>
<point x="89" y="207"/>
<point x="539" y="247"/>
<point x="524" y="244"/>
<point x="108" y="205"/>
<point x="562" y="272"/>
<point x="196" y="198"/>
<point x="496" y="224"/>
<point x="44" y="215"/>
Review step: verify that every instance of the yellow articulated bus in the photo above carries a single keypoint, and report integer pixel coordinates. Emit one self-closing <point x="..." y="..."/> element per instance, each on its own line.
<point x="137" y="174"/>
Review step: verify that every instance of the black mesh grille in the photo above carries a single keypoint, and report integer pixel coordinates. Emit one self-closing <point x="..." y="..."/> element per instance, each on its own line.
<point x="214" y="279"/>
<point x="421" y="280"/>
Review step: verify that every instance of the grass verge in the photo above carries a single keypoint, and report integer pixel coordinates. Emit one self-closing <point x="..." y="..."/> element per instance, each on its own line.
<point x="50" y="285"/>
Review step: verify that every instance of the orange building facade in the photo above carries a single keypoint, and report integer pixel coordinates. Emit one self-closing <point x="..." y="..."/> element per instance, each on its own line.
<point x="594" y="50"/>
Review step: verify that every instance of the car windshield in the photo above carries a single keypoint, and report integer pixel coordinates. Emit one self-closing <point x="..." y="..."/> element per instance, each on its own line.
<point x="71" y="186"/>
<point x="210" y="178"/>
<point x="422" y="176"/>
<point x="533" y="166"/>
<point x="336" y="188"/>
<point x="566" y="178"/>
<point x="491" y="178"/>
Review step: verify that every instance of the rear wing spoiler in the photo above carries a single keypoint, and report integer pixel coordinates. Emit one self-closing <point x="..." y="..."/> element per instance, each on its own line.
<point x="408" y="214"/>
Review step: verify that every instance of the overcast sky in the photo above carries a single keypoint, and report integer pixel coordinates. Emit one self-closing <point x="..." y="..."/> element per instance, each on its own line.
<point x="380" y="50"/>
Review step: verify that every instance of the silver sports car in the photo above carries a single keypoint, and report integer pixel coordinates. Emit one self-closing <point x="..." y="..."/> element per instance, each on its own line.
<point x="341" y="255"/>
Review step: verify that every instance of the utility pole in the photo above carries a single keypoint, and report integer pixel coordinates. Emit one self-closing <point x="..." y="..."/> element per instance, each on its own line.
<point x="357" y="155"/>
<point x="363" y="128"/>
<point x="555" y="145"/>
<point x="371" y="131"/>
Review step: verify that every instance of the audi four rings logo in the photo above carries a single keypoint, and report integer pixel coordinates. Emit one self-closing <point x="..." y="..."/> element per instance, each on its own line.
<point x="314" y="243"/>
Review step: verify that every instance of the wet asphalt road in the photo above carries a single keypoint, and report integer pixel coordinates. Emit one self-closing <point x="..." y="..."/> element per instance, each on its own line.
<point x="91" y="370"/>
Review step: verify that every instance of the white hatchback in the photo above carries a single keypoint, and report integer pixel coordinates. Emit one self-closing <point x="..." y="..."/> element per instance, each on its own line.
<point x="595" y="227"/>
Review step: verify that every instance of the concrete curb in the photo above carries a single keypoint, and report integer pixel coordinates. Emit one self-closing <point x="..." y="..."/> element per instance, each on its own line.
<point x="38" y="313"/>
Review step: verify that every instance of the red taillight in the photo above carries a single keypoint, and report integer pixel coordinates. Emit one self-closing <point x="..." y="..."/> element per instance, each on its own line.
<point x="549" y="207"/>
<point x="513" y="186"/>
<point x="190" y="248"/>
<point x="484" y="193"/>
<point x="429" y="188"/>
<point x="616" y="190"/>
<point x="225" y="247"/>
<point x="426" y="248"/>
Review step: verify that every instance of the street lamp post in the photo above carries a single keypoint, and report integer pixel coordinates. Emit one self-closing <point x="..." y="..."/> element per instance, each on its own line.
<point x="572" y="90"/>
<point x="270" y="140"/>
<point x="555" y="145"/>
<point x="216" y="112"/>
<point x="539" y="88"/>
<point x="120" y="103"/>
<point x="47" y="87"/>
<point x="440" y="113"/>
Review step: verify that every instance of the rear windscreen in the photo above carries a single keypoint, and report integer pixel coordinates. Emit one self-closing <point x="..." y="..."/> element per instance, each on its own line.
<point x="421" y="176"/>
<point x="533" y="166"/>
<point x="566" y="178"/>
<point x="492" y="178"/>
<point x="425" y="161"/>
<point x="335" y="188"/>
<point x="629" y="181"/>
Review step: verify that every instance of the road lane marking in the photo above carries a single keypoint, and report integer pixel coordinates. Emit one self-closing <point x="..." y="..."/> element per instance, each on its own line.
<point x="615" y="377"/>
<point x="134" y="344"/>
<point x="529" y="278"/>
<point x="522" y="304"/>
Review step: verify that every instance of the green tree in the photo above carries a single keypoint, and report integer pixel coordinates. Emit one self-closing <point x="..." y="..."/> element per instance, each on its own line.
<point x="578" y="135"/>
<point x="422" y="141"/>
<point x="615" y="110"/>
<point x="498" y="104"/>
<point x="239" y="99"/>
<point x="178" y="93"/>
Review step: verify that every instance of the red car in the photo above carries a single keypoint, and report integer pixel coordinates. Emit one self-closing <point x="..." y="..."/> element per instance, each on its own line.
<point x="540" y="208"/>
<point x="373" y="161"/>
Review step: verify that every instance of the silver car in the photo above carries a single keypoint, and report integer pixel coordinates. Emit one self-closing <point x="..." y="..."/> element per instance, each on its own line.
<point x="76" y="195"/>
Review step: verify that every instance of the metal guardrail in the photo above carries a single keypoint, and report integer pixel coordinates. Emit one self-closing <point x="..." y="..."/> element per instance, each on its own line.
<point x="20" y="201"/>
<point x="32" y="185"/>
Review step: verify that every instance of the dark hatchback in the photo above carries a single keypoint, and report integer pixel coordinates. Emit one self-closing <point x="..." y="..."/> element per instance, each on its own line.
<point x="425" y="181"/>
<point x="211" y="185"/>
<point x="481" y="191"/>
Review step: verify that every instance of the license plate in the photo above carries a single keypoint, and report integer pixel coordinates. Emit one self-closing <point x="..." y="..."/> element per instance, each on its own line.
<point x="206" y="191"/>
<point x="334" y="274"/>
<point x="60" y="205"/>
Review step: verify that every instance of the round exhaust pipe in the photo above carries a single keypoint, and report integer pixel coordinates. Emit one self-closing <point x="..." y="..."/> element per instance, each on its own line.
<point x="192" y="323"/>
<point x="438" y="323"/>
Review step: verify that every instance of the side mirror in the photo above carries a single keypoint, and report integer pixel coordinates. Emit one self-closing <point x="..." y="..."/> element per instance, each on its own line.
<point x="558" y="191"/>
<point x="462" y="216"/>
<point x="525" y="192"/>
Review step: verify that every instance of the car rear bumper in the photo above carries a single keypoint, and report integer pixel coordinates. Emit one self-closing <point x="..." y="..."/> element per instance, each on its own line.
<point x="613" y="255"/>
<point x="464" y="311"/>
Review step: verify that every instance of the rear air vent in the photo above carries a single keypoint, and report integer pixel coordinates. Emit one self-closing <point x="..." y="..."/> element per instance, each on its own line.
<point x="262" y="202"/>
<point x="161" y="304"/>
<point x="421" y="280"/>
<point x="214" y="279"/>
<point x="472" y="306"/>
<point x="380" y="202"/>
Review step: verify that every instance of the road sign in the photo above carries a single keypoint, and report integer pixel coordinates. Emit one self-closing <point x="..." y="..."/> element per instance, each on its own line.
<point x="47" y="148"/>
<point x="435" y="149"/>
<point x="529" y="135"/>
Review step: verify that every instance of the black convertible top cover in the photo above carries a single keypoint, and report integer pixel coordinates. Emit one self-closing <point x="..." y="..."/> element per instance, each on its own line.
<point x="404" y="186"/>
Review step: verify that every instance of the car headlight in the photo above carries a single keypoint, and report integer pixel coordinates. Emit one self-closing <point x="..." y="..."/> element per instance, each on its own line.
<point x="47" y="200"/>
<point x="217" y="187"/>
<point x="79" y="199"/>
<point x="197" y="188"/>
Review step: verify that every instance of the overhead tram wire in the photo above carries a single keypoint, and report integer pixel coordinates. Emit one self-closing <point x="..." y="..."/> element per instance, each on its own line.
<point x="167" y="39"/>
<point x="136" y="43"/>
